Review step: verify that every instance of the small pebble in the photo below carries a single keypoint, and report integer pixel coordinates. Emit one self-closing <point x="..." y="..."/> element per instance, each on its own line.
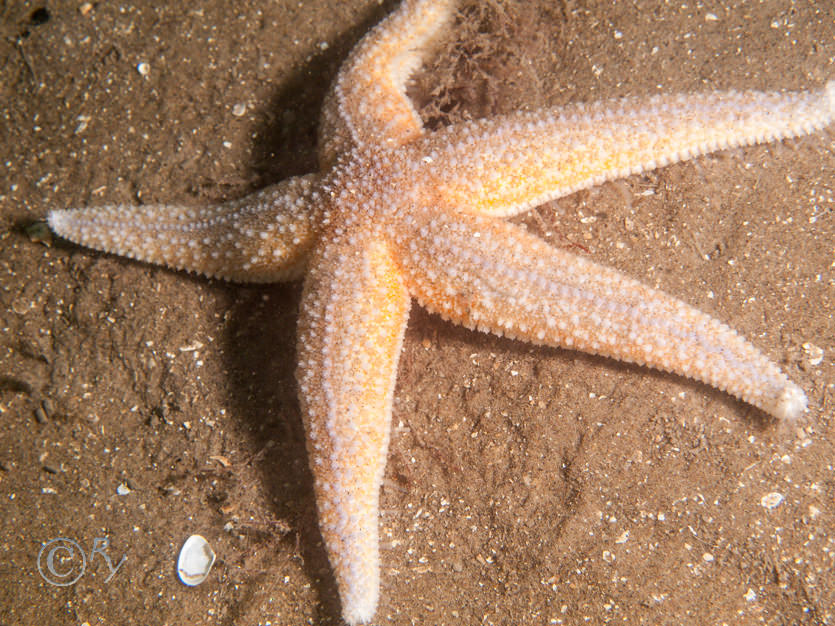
<point x="771" y="500"/>
<point x="38" y="232"/>
<point x="143" y="68"/>
<point x="40" y="416"/>
<point x="122" y="489"/>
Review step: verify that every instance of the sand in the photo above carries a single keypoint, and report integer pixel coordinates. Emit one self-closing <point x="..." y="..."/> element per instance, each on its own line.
<point x="524" y="485"/>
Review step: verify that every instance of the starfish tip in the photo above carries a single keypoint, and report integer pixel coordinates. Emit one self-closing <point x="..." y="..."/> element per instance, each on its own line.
<point x="56" y="221"/>
<point x="359" y="612"/>
<point x="791" y="403"/>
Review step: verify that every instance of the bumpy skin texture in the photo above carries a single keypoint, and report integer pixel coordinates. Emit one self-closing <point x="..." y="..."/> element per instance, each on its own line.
<point x="398" y="213"/>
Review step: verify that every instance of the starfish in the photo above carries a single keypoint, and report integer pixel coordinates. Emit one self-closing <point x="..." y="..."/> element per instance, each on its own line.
<point x="398" y="213"/>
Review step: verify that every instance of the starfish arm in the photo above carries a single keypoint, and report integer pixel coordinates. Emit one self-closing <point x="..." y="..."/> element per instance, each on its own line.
<point x="367" y="104"/>
<point x="264" y="237"/>
<point x="512" y="163"/>
<point x="493" y="276"/>
<point x="353" y="315"/>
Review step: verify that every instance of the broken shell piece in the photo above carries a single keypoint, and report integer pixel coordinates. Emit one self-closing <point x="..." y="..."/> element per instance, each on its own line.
<point x="195" y="561"/>
<point x="771" y="500"/>
<point x="814" y="354"/>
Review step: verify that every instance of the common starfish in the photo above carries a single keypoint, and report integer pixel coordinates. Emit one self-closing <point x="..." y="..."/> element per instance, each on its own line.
<point x="397" y="212"/>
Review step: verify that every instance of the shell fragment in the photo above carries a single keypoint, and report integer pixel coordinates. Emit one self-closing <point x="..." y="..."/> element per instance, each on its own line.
<point x="195" y="561"/>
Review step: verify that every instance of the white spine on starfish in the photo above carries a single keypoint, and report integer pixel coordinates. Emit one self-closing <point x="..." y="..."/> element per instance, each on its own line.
<point x="350" y="335"/>
<point x="505" y="165"/>
<point x="265" y="237"/>
<point x="494" y="276"/>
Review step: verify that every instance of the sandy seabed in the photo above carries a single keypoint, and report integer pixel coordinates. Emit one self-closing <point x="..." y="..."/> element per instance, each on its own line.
<point x="524" y="485"/>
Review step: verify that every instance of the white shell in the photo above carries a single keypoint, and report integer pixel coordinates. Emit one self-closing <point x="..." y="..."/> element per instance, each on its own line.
<point x="195" y="561"/>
